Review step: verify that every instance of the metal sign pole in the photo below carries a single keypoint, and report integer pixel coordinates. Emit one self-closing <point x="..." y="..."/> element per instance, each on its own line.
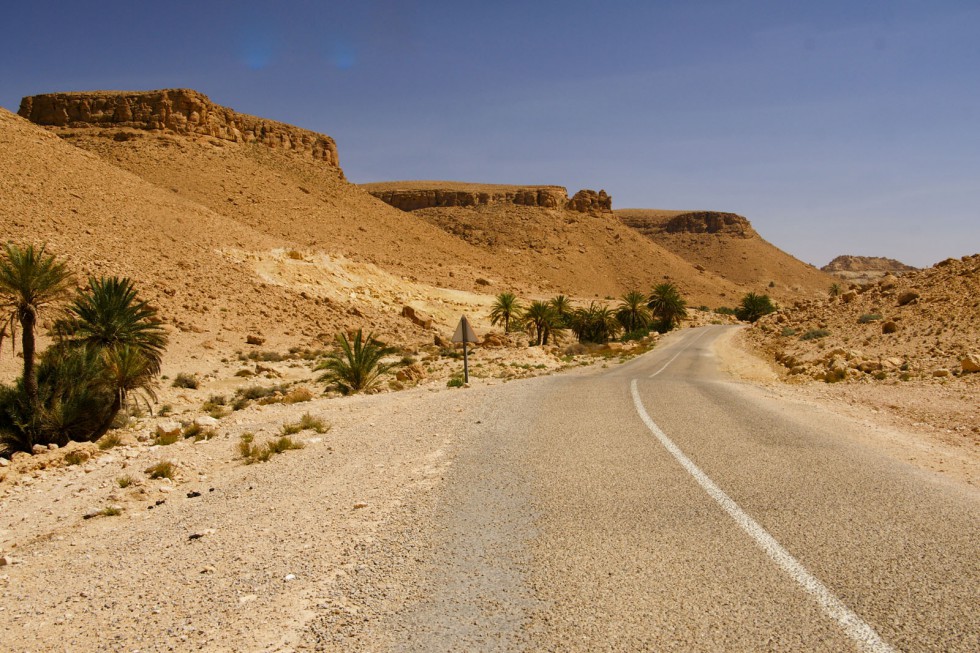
<point x="465" y="334"/>
<point x="466" y="365"/>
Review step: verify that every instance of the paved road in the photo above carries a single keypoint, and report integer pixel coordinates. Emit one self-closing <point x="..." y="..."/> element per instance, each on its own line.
<point x="659" y="505"/>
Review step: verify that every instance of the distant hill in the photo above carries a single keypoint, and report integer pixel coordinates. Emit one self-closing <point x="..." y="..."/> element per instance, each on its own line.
<point x="727" y="245"/>
<point x="864" y="269"/>
<point x="575" y="245"/>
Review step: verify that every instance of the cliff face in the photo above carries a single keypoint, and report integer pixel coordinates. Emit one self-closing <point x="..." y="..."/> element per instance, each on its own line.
<point x="181" y="111"/>
<point x="408" y="198"/>
<point x="694" y="222"/>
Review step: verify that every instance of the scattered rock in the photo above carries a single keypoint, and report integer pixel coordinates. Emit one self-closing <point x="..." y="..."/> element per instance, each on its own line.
<point x="193" y="494"/>
<point x="970" y="363"/>
<point x="4" y="462"/>
<point x="483" y="282"/>
<point x="418" y="317"/>
<point x="254" y="340"/>
<point x="359" y="505"/>
<point x="206" y="421"/>
<point x="289" y="577"/>
<point x="849" y="296"/>
<point x="208" y="569"/>
<point x="38" y="448"/>
<point x="907" y="297"/>
<point x="941" y="373"/>
<point x="199" y="534"/>
<point x="889" y="327"/>
<point x="168" y="429"/>
<point x="413" y="372"/>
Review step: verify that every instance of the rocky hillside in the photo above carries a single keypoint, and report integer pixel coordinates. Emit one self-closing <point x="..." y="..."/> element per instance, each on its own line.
<point x="572" y="245"/>
<point x="864" y="269"/>
<point x="923" y="324"/>
<point x="726" y="244"/>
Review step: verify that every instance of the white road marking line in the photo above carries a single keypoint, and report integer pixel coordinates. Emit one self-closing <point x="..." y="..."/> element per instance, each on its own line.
<point x="683" y="349"/>
<point x="855" y="627"/>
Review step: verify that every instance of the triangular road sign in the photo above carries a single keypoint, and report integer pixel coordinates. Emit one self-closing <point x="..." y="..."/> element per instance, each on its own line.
<point x="464" y="332"/>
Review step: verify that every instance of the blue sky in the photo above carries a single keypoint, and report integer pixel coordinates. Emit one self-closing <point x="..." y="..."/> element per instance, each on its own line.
<point x="835" y="127"/>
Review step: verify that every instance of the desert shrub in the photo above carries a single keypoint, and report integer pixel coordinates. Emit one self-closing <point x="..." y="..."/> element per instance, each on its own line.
<point x="455" y="382"/>
<point x="725" y="310"/>
<point x="241" y="403"/>
<point x="163" y="469"/>
<point x="111" y="511"/>
<point x="267" y="356"/>
<point x="215" y="400"/>
<point x="815" y="334"/>
<point x="869" y="317"/>
<point x="788" y="331"/>
<point x="165" y="410"/>
<point x="75" y="458"/>
<point x="306" y="423"/>
<point x="164" y="439"/>
<point x="245" y="373"/>
<point x="187" y="381"/>
<point x="252" y="453"/>
<point x="297" y="395"/>
<point x="109" y="440"/>
<point x="125" y="481"/>
<point x="192" y="430"/>
<point x="254" y="392"/>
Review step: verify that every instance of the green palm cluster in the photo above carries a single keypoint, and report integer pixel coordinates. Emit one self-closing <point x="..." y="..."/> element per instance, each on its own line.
<point x="668" y="306"/>
<point x="356" y="366"/>
<point x="108" y="346"/>
<point x="753" y="307"/>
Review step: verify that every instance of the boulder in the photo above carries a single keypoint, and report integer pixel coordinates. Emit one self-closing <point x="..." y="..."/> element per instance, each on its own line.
<point x="495" y="340"/>
<point x="413" y="372"/>
<point x="417" y="317"/>
<point x="907" y="297"/>
<point x="970" y="363"/>
<point x="168" y="429"/>
<point x="889" y="327"/>
<point x="941" y="373"/>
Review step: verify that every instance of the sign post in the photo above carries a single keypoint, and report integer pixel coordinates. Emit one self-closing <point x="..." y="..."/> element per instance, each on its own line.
<point x="465" y="334"/>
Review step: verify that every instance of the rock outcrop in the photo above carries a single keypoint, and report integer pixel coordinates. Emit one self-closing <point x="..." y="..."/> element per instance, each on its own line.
<point x="848" y="263"/>
<point x="693" y="222"/>
<point x="181" y="111"/>
<point x="426" y="196"/>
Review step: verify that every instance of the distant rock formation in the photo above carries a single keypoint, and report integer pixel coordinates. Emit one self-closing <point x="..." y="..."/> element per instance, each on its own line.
<point x="693" y="222"/>
<point x="182" y="111"/>
<point x="848" y="263"/>
<point x="408" y="198"/>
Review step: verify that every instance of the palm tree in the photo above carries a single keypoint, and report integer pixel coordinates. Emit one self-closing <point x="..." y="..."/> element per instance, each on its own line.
<point x="753" y="307"/>
<point x="124" y="331"/>
<point x="506" y="308"/>
<point x="563" y="309"/>
<point x="357" y="365"/>
<point x="540" y="319"/>
<point x="668" y="305"/>
<point x="632" y="312"/>
<point x="30" y="280"/>
<point x="596" y="323"/>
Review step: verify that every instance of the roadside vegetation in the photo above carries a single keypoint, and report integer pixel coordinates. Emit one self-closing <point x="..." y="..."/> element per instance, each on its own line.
<point x="107" y="349"/>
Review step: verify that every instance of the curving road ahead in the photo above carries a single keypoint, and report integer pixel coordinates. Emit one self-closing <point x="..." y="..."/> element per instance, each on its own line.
<point x="660" y="505"/>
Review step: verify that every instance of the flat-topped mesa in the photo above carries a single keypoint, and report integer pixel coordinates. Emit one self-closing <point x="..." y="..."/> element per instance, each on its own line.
<point x="425" y="195"/>
<point x="689" y="222"/>
<point x="182" y="111"/>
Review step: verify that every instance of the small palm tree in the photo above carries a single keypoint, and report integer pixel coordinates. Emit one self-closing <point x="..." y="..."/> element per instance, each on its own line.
<point x="835" y="290"/>
<point x="753" y="307"/>
<point x="357" y="365"/>
<point x="30" y="280"/>
<point x="633" y="313"/>
<point x="667" y="305"/>
<point x="126" y="334"/>
<point x="505" y="309"/>
<point x="540" y="319"/>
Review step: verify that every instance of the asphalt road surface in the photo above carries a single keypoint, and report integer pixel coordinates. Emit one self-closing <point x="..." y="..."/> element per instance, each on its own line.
<point x="659" y="505"/>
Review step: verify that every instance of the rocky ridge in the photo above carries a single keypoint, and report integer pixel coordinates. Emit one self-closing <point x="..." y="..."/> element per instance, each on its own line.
<point x="181" y="111"/>
<point x="923" y="325"/>
<point x="413" y="196"/>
